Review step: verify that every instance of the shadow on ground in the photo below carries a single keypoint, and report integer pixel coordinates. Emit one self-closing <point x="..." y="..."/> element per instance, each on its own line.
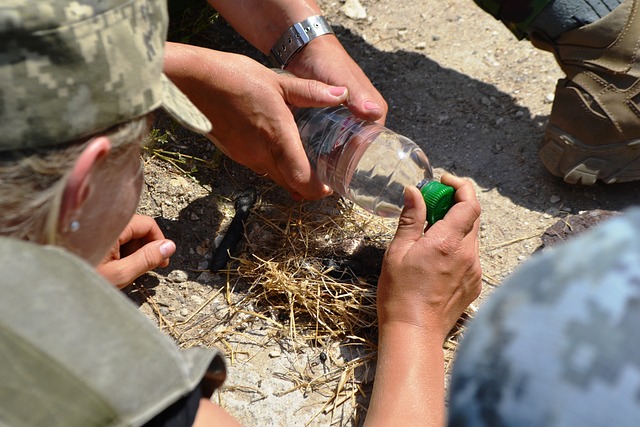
<point x="465" y="126"/>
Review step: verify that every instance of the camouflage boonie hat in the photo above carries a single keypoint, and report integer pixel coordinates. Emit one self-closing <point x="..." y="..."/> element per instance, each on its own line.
<point x="558" y="344"/>
<point x="70" y="69"/>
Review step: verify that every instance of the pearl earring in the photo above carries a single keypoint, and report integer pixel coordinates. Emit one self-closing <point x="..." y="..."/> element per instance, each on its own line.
<point x="74" y="226"/>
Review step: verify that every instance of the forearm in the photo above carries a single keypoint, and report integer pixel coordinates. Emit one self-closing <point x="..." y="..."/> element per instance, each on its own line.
<point x="194" y="68"/>
<point x="268" y="18"/>
<point x="409" y="382"/>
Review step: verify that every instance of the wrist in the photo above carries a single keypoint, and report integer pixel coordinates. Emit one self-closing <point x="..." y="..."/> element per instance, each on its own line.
<point x="422" y="333"/>
<point x="296" y="38"/>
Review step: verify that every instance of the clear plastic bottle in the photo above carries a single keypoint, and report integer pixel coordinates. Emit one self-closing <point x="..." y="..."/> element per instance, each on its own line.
<point x="367" y="163"/>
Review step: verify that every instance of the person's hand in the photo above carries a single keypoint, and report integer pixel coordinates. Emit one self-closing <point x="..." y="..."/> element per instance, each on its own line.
<point x="248" y="105"/>
<point x="262" y="22"/>
<point x="326" y="60"/>
<point x="140" y="248"/>
<point x="429" y="277"/>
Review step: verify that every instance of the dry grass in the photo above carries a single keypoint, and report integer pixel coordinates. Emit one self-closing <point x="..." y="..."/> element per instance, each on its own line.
<point x="306" y="279"/>
<point x="301" y="285"/>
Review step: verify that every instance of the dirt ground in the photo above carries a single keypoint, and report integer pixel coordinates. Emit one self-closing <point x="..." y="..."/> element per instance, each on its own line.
<point x="458" y="84"/>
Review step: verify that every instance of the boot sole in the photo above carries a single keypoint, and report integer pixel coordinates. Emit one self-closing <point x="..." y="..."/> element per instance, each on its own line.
<point x="577" y="163"/>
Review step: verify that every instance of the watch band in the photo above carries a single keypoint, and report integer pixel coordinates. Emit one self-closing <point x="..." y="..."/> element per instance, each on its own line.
<point x="296" y="37"/>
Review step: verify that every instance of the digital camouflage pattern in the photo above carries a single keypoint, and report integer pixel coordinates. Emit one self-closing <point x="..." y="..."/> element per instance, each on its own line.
<point x="70" y="69"/>
<point x="558" y="344"/>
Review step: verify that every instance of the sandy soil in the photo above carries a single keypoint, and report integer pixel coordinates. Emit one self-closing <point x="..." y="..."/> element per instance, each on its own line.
<point x="460" y="85"/>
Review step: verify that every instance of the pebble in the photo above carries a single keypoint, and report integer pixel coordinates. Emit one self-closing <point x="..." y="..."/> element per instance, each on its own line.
<point x="443" y="119"/>
<point x="354" y="9"/>
<point x="197" y="299"/>
<point x="178" y="276"/>
<point x="275" y="353"/>
<point x="206" y="276"/>
<point x="554" y="199"/>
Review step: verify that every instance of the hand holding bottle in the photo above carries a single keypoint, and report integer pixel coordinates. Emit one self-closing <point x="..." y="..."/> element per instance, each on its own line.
<point x="428" y="278"/>
<point x="368" y="163"/>
<point x="248" y="105"/>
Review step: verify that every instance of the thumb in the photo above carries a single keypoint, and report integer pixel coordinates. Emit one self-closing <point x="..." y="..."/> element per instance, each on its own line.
<point x="125" y="270"/>
<point x="412" y="219"/>
<point x="312" y="93"/>
<point x="154" y="254"/>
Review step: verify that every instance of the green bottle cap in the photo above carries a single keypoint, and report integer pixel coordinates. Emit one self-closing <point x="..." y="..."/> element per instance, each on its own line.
<point x="439" y="199"/>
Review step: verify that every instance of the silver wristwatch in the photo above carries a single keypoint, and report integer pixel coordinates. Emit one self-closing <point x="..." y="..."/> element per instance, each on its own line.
<point x="296" y="37"/>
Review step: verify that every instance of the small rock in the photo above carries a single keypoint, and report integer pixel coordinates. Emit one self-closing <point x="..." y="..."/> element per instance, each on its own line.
<point x="206" y="276"/>
<point x="275" y="353"/>
<point x="353" y="9"/>
<point x="178" y="276"/>
<point x="197" y="299"/>
<point x="421" y="46"/>
<point x="442" y="119"/>
<point x="184" y="312"/>
<point x="554" y="199"/>
<point x="549" y="98"/>
<point x="202" y="250"/>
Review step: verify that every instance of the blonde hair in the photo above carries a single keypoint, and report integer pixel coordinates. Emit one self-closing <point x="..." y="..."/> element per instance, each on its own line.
<point x="32" y="182"/>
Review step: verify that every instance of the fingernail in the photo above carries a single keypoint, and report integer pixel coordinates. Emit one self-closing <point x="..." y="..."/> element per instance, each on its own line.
<point x="337" y="91"/>
<point x="370" y="105"/>
<point x="167" y="248"/>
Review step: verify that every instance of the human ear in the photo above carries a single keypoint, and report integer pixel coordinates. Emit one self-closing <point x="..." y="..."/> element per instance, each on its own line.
<point x="78" y="185"/>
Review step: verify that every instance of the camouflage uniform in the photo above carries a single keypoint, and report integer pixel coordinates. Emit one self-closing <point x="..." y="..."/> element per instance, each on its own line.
<point x="517" y="15"/>
<point x="73" y="350"/>
<point x="70" y="69"/>
<point x="558" y="342"/>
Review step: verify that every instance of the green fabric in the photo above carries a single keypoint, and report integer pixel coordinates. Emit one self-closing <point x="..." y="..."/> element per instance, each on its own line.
<point x="68" y="401"/>
<point x="75" y="351"/>
<point x="70" y="69"/>
<point x="516" y="15"/>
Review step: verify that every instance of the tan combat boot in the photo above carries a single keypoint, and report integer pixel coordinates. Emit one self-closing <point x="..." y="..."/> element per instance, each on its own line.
<point x="594" y="128"/>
